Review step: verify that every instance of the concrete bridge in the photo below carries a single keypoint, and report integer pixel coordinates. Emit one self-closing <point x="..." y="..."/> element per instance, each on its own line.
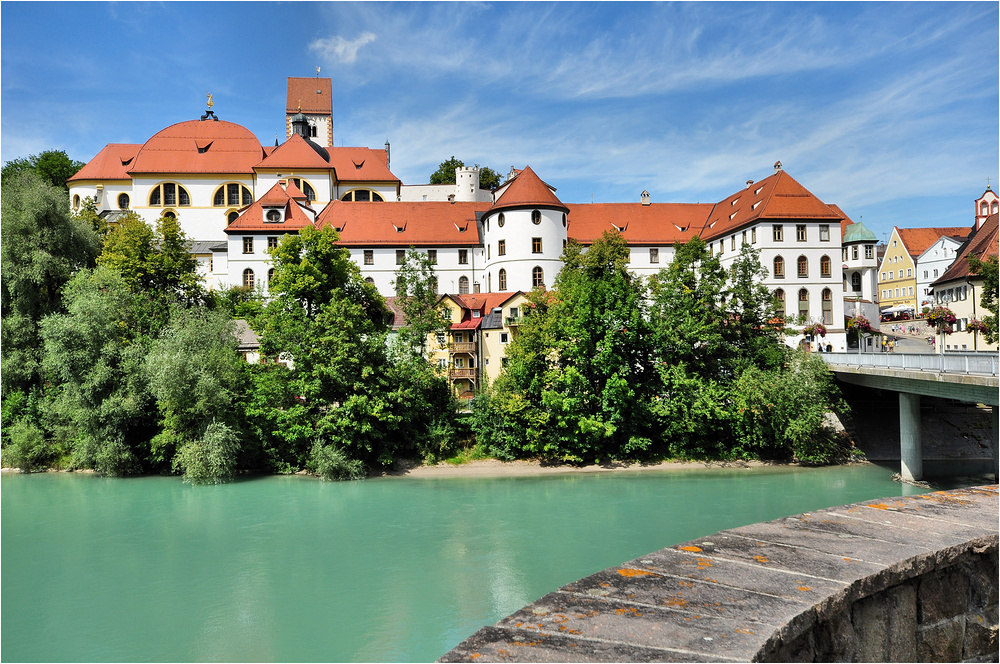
<point x="909" y="579"/>
<point x="970" y="377"/>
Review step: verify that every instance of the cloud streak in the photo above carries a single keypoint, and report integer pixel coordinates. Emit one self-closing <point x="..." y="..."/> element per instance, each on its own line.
<point x="341" y="50"/>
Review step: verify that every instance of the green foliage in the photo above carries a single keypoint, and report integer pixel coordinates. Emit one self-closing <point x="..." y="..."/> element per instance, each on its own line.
<point x="212" y="459"/>
<point x="445" y="174"/>
<point x="41" y="247"/>
<point x="988" y="299"/>
<point x="331" y="463"/>
<point x="53" y="167"/>
<point x="489" y="179"/>
<point x="417" y="298"/>
<point x="26" y="448"/>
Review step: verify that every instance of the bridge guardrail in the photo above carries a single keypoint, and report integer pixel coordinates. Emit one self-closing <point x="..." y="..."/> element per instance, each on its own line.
<point x="985" y="364"/>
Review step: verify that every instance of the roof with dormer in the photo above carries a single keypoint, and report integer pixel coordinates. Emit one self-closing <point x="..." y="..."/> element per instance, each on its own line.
<point x="917" y="240"/>
<point x="484" y="303"/>
<point x="199" y="146"/>
<point x="361" y="165"/>
<point x="293" y="216"/>
<point x="297" y="153"/>
<point x="528" y="190"/>
<point x="111" y="163"/>
<point x="983" y="243"/>
<point x="778" y="196"/>
<point x="310" y="95"/>
<point x="391" y="223"/>
<point x="656" y="223"/>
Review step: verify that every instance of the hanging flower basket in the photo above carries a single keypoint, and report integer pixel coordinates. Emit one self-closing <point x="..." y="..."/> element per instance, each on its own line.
<point x="860" y="325"/>
<point x="814" y="330"/>
<point x="940" y="317"/>
<point x="976" y="325"/>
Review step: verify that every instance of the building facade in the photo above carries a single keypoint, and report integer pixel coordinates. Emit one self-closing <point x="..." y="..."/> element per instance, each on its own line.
<point x="897" y="281"/>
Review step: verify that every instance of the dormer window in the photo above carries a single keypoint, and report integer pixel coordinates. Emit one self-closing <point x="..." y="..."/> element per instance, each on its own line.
<point x="272" y="216"/>
<point x="304" y="187"/>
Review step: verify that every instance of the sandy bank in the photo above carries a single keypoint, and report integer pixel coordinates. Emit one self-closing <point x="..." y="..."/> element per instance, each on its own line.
<point x="495" y="468"/>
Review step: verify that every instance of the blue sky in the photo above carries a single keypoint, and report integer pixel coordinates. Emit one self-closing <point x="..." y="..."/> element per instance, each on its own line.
<point x="889" y="110"/>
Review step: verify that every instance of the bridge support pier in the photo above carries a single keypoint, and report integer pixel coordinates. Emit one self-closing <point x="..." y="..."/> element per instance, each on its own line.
<point x="911" y="459"/>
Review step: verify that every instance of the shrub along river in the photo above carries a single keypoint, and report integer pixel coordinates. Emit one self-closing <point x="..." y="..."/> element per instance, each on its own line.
<point x="296" y="569"/>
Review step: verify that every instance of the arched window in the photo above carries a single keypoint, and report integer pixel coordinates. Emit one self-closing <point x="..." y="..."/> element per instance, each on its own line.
<point x="232" y="216"/>
<point x="248" y="278"/>
<point x="779" y="303"/>
<point x="123" y="201"/>
<point x="170" y="214"/>
<point x="537" y="277"/>
<point x="983" y="208"/>
<point x="564" y="220"/>
<point x="232" y="194"/>
<point x="803" y="264"/>
<point x="169" y="193"/>
<point x="76" y="201"/>
<point x="995" y="206"/>
<point x="856" y="282"/>
<point x="463" y="285"/>
<point x="803" y="304"/>
<point x="270" y="276"/>
<point x="502" y="279"/>
<point x="363" y="195"/>
<point x="304" y="187"/>
<point x="369" y="280"/>
<point x="434" y="284"/>
<point x="779" y="267"/>
<point x="536" y="217"/>
<point x="825" y="266"/>
<point x="827" y="306"/>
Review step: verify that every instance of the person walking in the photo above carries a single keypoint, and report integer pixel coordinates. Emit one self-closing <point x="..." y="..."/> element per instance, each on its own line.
<point x="892" y="345"/>
<point x="883" y="343"/>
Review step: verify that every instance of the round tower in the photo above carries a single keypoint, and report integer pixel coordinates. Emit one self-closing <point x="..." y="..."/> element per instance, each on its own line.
<point x="466" y="183"/>
<point x="524" y="234"/>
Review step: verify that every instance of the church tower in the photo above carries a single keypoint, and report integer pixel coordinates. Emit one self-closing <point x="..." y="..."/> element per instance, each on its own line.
<point x="313" y="99"/>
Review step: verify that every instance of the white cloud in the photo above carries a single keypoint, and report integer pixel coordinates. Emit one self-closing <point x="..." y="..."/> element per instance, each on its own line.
<point x="341" y="50"/>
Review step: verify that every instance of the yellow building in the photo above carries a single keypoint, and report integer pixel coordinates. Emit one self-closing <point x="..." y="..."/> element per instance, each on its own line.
<point x="897" y="275"/>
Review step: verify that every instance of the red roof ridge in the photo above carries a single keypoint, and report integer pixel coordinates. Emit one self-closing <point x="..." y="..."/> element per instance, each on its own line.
<point x="528" y="190"/>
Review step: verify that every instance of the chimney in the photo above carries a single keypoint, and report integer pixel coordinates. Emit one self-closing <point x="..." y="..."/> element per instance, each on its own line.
<point x="749" y="183"/>
<point x="777" y="166"/>
<point x="644" y="197"/>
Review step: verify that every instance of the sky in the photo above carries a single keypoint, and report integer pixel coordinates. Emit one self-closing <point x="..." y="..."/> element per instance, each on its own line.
<point x="889" y="110"/>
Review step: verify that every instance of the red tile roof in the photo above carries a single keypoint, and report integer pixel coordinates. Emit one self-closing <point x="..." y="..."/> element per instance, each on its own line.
<point x="366" y="224"/>
<point x="777" y="196"/>
<point x="361" y="165"/>
<point x="111" y="163"/>
<point x="983" y="243"/>
<point x="251" y="218"/>
<point x="295" y="153"/>
<point x="199" y="146"/>
<point x="656" y="223"/>
<point x="845" y="221"/>
<point x="528" y="190"/>
<point x="918" y="240"/>
<point x="484" y="303"/>
<point x="312" y="95"/>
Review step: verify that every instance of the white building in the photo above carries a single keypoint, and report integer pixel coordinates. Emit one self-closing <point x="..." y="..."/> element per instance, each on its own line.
<point x="932" y="263"/>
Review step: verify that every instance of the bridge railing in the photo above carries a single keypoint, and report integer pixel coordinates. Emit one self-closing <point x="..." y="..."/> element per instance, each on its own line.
<point x="970" y="363"/>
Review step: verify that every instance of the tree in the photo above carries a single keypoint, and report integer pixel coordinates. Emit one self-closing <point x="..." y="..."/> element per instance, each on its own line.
<point x="445" y="174"/>
<point x="52" y="166"/>
<point x="417" y="298"/>
<point x="987" y="269"/>
<point x="42" y="247"/>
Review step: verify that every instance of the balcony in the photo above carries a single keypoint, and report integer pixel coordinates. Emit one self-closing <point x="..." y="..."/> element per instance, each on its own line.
<point x="462" y="347"/>
<point x="463" y="373"/>
<point x="512" y="321"/>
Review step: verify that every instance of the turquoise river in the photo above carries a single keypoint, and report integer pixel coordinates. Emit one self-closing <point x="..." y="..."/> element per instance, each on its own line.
<point x="384" y="570"/>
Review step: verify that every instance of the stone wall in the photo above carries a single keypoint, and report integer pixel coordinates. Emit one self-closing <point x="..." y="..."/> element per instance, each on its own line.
<point x="908" y="579"/>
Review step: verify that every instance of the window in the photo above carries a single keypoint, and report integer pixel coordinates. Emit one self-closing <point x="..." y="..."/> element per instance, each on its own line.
<point x="564" y="218"/>
<point x="487" y="252"/>
<point x="779" y="303"/>
<point x="513" y="312"/>
<point x="76" y="201"/>
<point x="827" y="306"/>
<point x="304" y="187"/>
<point x="909" y="271"/>
<point x="654" y="255"/>
<point x="440" y="339"/>
<point x="503" y="337"/>
<point x="362" y="196"/>
<point x="369" y="280"/>
<point x="503" y="362"/>
<point x="803" y="304"/>
<point x="753" y="235"/>
<point x="869" y="251"/>
<point x="824" y="233"/>
<point x="122" y="201"/>
<point x="232" y="194"/>
<point x="803" y="264"/>
<point x="883" y="276"/>
<point x="369" y="257"/>
<point x="459" y="362"/>
<point x="537" y="277"/>
<point x="536" y="217"/>
<point x="892" y="274"/>
<point x="854" y="252"/>
<point x="732" y="243"/>
<point x="856" y="282"/>
<point x="169" y="193"/>
<point x="400" y="256"/>
<point x="825" y="266"/>
<point x="501" y="247"/>
<point x="232" y="216"/>
<point x="935" y="273"/>
<point x="502" y="279"/>
<point x="272" y="242"/>
<point x="463" y="285"/>
<point x="463" y="256"/>
<point x="270" y="275"/>
<point x="897" y="292"/>
<point x="248" y="278"/>
<point x="500" y="220"/>
<point x="434" y="284"/>
<point x="778" y="232"/>
<point x="272" y="216"/>
<point x="248" y="245"/>
<point x="432" y="256"/>
<point x="536" y="245"/>
<point x="722" y="247"/>
<point x="476" y="313"/>
<point x="779" y="267"/>
<point x="800" y="232"/>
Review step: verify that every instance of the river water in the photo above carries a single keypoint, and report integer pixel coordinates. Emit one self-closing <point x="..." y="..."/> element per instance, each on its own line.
<point x="384" y="570"/>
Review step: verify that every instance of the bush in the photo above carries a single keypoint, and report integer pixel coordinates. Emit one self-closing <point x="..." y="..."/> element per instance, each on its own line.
<point x="26" y="449"/>
<point x="212" y="459"/>
<point x="113" y="458"/>
<point x="331" y="463"/>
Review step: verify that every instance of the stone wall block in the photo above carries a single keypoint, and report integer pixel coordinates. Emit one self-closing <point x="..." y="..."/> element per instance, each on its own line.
<point x="983" y="576"/>
<point x="981" y="636"/>
<point x="943" y="595"/>
<point x="885" y="626"/>
<point x="835" y="638"/>
<point x="942" y="641"/>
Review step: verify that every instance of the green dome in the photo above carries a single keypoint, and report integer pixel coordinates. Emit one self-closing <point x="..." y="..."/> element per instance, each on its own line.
<point x="858" y="232"/>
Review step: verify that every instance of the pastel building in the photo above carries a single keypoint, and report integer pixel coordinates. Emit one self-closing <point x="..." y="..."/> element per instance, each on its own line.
<point x="897" y="279"/>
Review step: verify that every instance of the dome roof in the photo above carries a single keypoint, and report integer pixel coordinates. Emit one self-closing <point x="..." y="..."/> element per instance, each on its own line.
<point x="200" y="146"/>
<point x="858" y="232"/>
